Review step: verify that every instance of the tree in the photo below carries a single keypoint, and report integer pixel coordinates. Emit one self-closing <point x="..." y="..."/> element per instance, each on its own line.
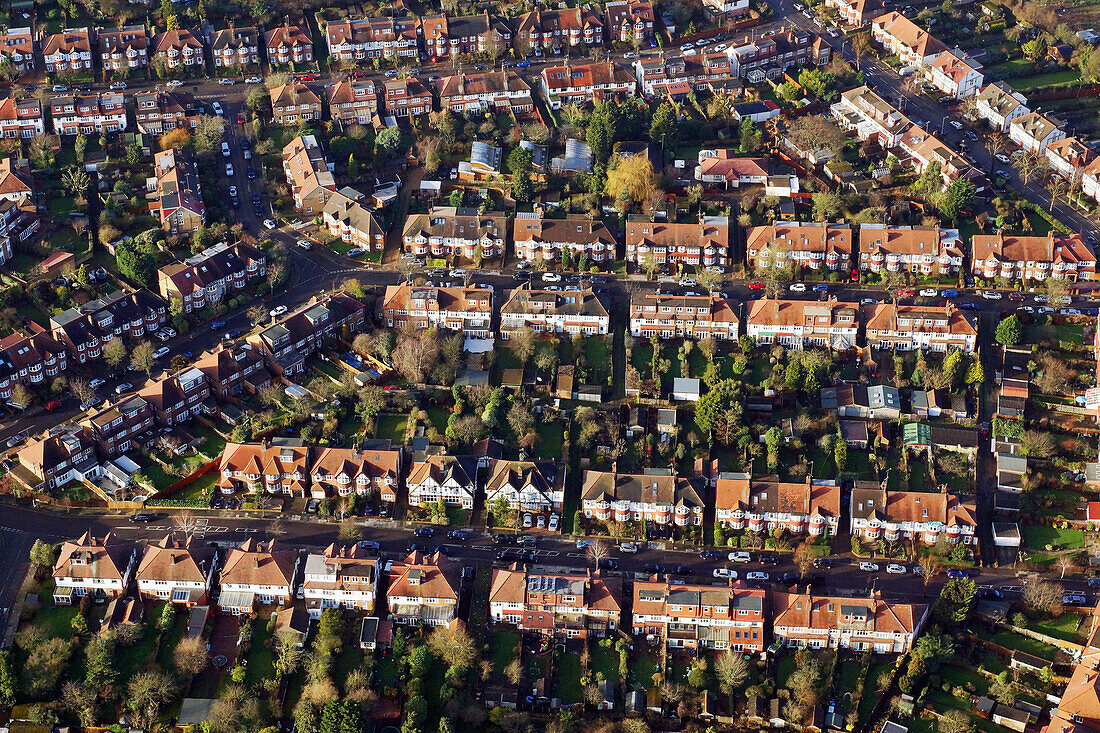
<point x="1030" y="165"/>
<point x="416" y="354"/>
<point x="814" y="133"/>
<point x="930" y="183"/>
<point x="8" y="680"/>
<point x="1090" y="65"/>
<point x="975" y="375"/>
<point x="861" y="46"/>
<point x="1035" y="50"/>
<point x="208" y="133"/>
<point x="522" y="343"/>
<point x="350" y="531"/>
<point x="454" y="646"/>
<point x="994" y="145"/>
<point x="388" y="140"/>
<point x="731" y="670"/>
<point x="80" y="699"/>
<point x="597" y="552"/>
<point x="142" y="359"/>
<point x="804" y="557"/>
<point x="520" y="420"/>
<point x="631" y="181"/>
<point x="146" y="693"/>
<point x="289" y="653"/>
<point x="1037" y="444"/>
<point x="136" y="264"/>
<point x="827" y="205"/>
<point x="1042" y="597"/>
<point x="21" y="397"/>
<point x="469" y="429"/>
<point x="43" y="554"/>
<point x="959" y="196"/>
<point x="1009" y="332"/>
<point x="190" y="656"/>
<point x="663" y="126"/>
<point x="76" y="181"/>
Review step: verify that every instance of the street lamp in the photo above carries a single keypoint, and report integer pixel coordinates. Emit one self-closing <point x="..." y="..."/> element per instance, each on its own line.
<point x="943" y="122"/>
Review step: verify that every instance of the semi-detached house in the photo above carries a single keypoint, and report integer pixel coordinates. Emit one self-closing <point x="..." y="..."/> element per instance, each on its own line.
<point x="662" y="499"/>
<point x="29" y="358"/>
<point x="339" y="577"/>
<point x="555" y="312"/>
<point x="101" y="567"/>
<point x="467" y="310"/>
<point x="1035" y="130"/>
<point x="956" y="74"/>
<point x="21" y="118"/>
<point x="206" y="278"/>
<point x="536" y="237"/>
<point x="999" y="104"/>
<point x="353" y="101"/>
<point x="673" y="315"/>
<point x="1062" y="257"/>
<point x="870" y="116"/>
<point x="449" y="231"/>
<point x="485" y="91"/>
<point x="911" y="327"/>
<point x="561" y="605"/>
<point x="123" y="49"/>
<point x="350" y="221"/>
<point x="85" y="329"/>
<point x="805" y="620"/>
<point x="17" y="44"/>
<point x="693" y="616"/>
<point x="88" y="114"/>
<point x="526" y="486"/>
<point x="442" y="478"/>
<point x="585" y="83"/>
<point x="372" y="38"/>
<point x="552" y="31"/>
<point x="255" y="573"/>
<point x="179" y="48"/>
<point x="346" y="471"/>
<point x="918" y="250"/>
<point x="55" y="460"/>
<point x="423" y="590"/>
<point x="180" y="572"/>
<point x="704" y="243"/>
<point x="289" y="342"/>
<point x="68" y="52"/>
<point x="893" y="516"/>
<point x="800" y="323"/>
<point x="901" y="36"/>
<point x="813" y="245"/>
<point x="289" y="44"/>
<point x="179" y="397"/>
<point x="764" y="504"/>
<point x="119" y="427"/>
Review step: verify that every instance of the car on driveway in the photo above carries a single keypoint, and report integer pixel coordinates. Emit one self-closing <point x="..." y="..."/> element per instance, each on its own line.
<point x="253" y="80"/>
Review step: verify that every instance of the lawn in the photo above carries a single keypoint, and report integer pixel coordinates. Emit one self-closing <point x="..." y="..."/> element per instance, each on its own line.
<point x="505" y="644"/>
<point x="438" y="417"/>
<point x="1042" y="81"/>
<point x="569" y="678"/>
<point x="261" y="657"/>
<point x="56" y="621"/>
<point x="137" y="658"/>
<point x="644" y="667"/>
<point x="846" y="680"/>
<point x="1039" y="536"/>
<point x="870" y="696"/>
<point x="597" y="352"/>
<point x="392" y="427"/>
<point x="1063" y="627"/>
<point x="213" y="443"/>
<point x="1012" y="640"/>
<point x="551" y="436"/>
<point x="169" y="643"/>
<point x="156" y="475"/>
<point x="196" y="491"/>
<point x="783" y="670"/>
<point x="325" y="368"/>
<point x="605" y="659"/>
<point x="348" y="659"/>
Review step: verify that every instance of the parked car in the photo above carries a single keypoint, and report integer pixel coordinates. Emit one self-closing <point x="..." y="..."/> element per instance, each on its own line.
<point x="551" y="277"/>
<point x="739" y="556"/>
<point x="949" y="293"/>
<point x="869" y="567"/>
<point x="768" y="559"/>
<point x="229" y="170"/>
<point x="710" y="555"/>
<point x="253" y="80"/>
<point x="757" y="575"/>
<point x="821" y="288"/>
<point x="460" y="535"/>
<point x="278" y="311"/>
<point x="123" y="387"/>
<point x="628" y="547"/>
<point x="369" y="545"/>
<point x="226" y="82"/>
<point x="305" y="244"/>
<point x="162" y="352"/>
<point x="956" y="573"/>
<point x="217" y="107"/>
<point x="896" y="569"/>
<point x="756" y="285"/>
<point x="53" y="404"/>
<point x="725" y="573"/>
<point x="423" y="532"/>
<point x="584" y="544"/>
<point x="991" y="295"/>
<point x="797" y="287"/>
<point x="97" y="382"/>
<point x="142" y="517"/>
<point x="688" y="282"/>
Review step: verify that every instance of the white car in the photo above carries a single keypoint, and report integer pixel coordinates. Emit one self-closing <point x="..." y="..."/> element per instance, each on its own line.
<point x="757" y="575"/>
<point x="551" y="277"/>
<point x="269" y="224"/>
<point x="688" y="282"/>
<point x="161" y="352"/>
<point x="725" y="573"/>
<point x="868" y="567"/>
<point x="797" y="287"/>
<point x="630" y="55"/>
<point x="928" y="293"/>
<point x="229" y="170"/>
<point x="1003" y="158"/>
<point x="123" y="387"/>
<point x="720" y="48"/>
<point x="277" y="311"/>
<point x="174" y="83"/>
<point x="991" y="295"/>
<point x="799" y="6"/>
<point x="553" y="525"/>
<point x="304" y="244"/>
<point x="628" y="547"/>
<point x="226" y="150"/>
<point x="226" y="82"/>
<point x="118" y="85"/>
<point x="896" y="569"/>
<point x="716" y="269"/>
<point x="741" y="556"/>
<point x="217" y="107"/>
<point x="458" y="273"/>
<point x="60" y="88"/>
<point x="253" y="80"/>
<point x="868" y="301"/>
<point x="956" y="124"/>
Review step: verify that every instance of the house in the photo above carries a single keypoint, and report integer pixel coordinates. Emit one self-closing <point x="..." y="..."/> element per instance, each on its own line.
<point x="956" y="74"/>
<point x="353" y="101"/>
<point x="366" y="39"/>
<point x="29" y="358"/>
<point x="484" y="163"/>
<point x="68" y="52"/>
<point x="280" y="466"/>
<point x="854" y="433"/>
<point x="725" y="11"/>
<point x="294" y="102"/>
<point x="440" y="478"/>
<point x="286" y="344"/>
<point x="85" y="329"/>
<point x="756" y="111"/>
<point x="924" y="149"/>
<point x="917" y="250"/>
<point x="180" y="572"/>
<point x="672" y="315"/>
<point x="208" y="277"/>
<point x="157" y="112"/>
<point x="556" y="30"/>
<point x="562" y="605"/>
<point x="899" y="35"/>
<point x="178" y="192"/>
<point x="722" y="166"/>
<point x="908" y="327"/>
<point x="309" y="173"/>
<point x="526" y="486"/>
<point x="407" y="97"/>
<point x="21" y="118"/>
<point x="463" y="35"/>
<point x="177" y="398"/>
<point x="878" y="401"/>
<point x="805" y="620"/>
<point x="686" y="389"/>
<point x="340" y="577"/>
<point x="465" y="309"/>
<point x="1035" y="130"/>
<point x="585" y="83"/>
<point x="119" y="427"/>
<point x="537" y="237"/>
<point x="765" y="504"/>
<point x="101" y="567"/>
<point x="555" y="312"/>
<point x="236" y="48"/>
<point x="630" y="21"/>
<point x="346" y="471"/>
<point x="1028" y="662"/>
<point x="349" y="221"/>
<point x="487" y="91"/>
<point x="233" y="369"/>
<point x="870" y="116"/>
<point x="447" y="231"/>
<point x="694" y="616"/>
<point x="769" y="56"/>
<point x="178" y="48"/>
<point x="1070" y="158"/>
<point x="813" y="245"/>
<point x="88" y="114"/>
<point x="289" y="44"/>
<point x="15" y="180"/>
<point x="666" y="77"/>
<point x="800" y="323"/>
<point x="17" y="45"/>
<point x="121" y="50"/>
<point x="1090" y="177"/>
<point x="895" y="515"/>
<point x="256" y="573"/>
<point x="1063" y="257"/>
<point x="856" y="13"/>
<point x="423" y="590"/>
<point x="999" y="104"/>
<point x="704" y="243"/>
<point x="662" y="499"/>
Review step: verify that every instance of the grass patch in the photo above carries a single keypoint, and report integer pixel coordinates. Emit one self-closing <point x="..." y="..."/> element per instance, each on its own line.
<point x="169" y="643"/>
<point x="325" y="368"/>
<point x="1040" y="536"/>
<point x="438" y="417"/>
<point x="261" y="657"/>
<point x="213" y="443"/>
<point x="56" y="621"/>
<point x="1012" y="640"/>
<point x="1063" y="627"/>
<point x="392" y="427"/>
<point x="137" y="658"/>
<point x="869" y="698"/>
<point x="1041" y="81"/>
<point x="643" y="668"/>
<point x="605" y="660"/>
<point x="783" y="670"/>
<point x="569" y="678"/>
<point x="197" y="490"/>
<point x="505" y="646"/>
<point x="847" y="678"/>
<point x="551" y="436"/>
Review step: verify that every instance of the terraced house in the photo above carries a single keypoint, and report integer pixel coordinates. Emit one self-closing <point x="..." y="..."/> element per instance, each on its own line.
<point x="799" y="323"/>
<point x="1062" y="257"/>
<point x="672" y="315"/>
<point x="703" y="244"/>
<point x="805" y="620"/>
<point x="158" y="111"/>
<point x="812" y="245"/>
<point x="561" y="605"/>
<point x="84" y="329"/>
<point x="909" y="327"/>
<point x="88" y="114"/>
<point x="893" y="516"/>
<point x="808" y="508"/>
<point x="287" y="344"/>
<point x="693" y="616"/>
<point x="465" y="309"/>
<point x="447" y="231"/>
<point x="662" y="499"/>
<point x="206" y="278"/>
<point x="917" y="250"/>
<point x="21" y="118"/>
<point x="555" y="312"/>
<point x="29" y="358"/>
<point x="372" y="38"/>
<point x="340" y="577"/>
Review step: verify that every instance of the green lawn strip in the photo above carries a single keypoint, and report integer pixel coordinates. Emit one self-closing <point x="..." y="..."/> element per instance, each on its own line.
<point x="569" y="678"/>
<point x="605" y="659"/>
<point x="597" y="352"/>
<point x="349" y="658"/>
<point x="869" y="698"/>
<point x="966" y="678"/>
<point x="438" y="417"/>
<point x="1063" y="627"/>
<point x="157" y="476"/>
<point x="783" y="670"/>
<point x="194" y="490"/>
<point x="392" y="427"/>
<point x="1012" y="640"/>
<point x="505" y="644"/>
<point x="56" y="621"/>
<point x="136" y="658"/>
<point x="169" y="643"/>
<point x="214" y="443"/>
<point x="551" y="436"/>
<point x="1038" y="536"/>
<point x="644" y="667"/>
<point x="261" y="655"/>
<point x="991" y="662"/>
<point x="846" y="679"/>
<point x="325" y="368"/>
<point x="1042" y="81"/>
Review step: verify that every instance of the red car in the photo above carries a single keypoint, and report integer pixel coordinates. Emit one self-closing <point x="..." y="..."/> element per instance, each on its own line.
<point x="906" y="292"/>
<point x="1015" y="296"/>
<point x="53" y="404"/>
<point x="756" y="286"/>
<point x="240" y="118"/>
<point x="307" y="77"/>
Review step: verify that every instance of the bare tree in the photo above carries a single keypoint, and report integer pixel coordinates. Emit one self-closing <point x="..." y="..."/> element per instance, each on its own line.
<point x="82" y="390"/>
<point x="804" y="557"/>
<point x="597" y="552"/>
<point x="185" y="522"/>
<point x="191" y="656"/>
<point x="142" y="359"/>
<point x="995" y="144"/>
<point x="1030" y="166"/>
